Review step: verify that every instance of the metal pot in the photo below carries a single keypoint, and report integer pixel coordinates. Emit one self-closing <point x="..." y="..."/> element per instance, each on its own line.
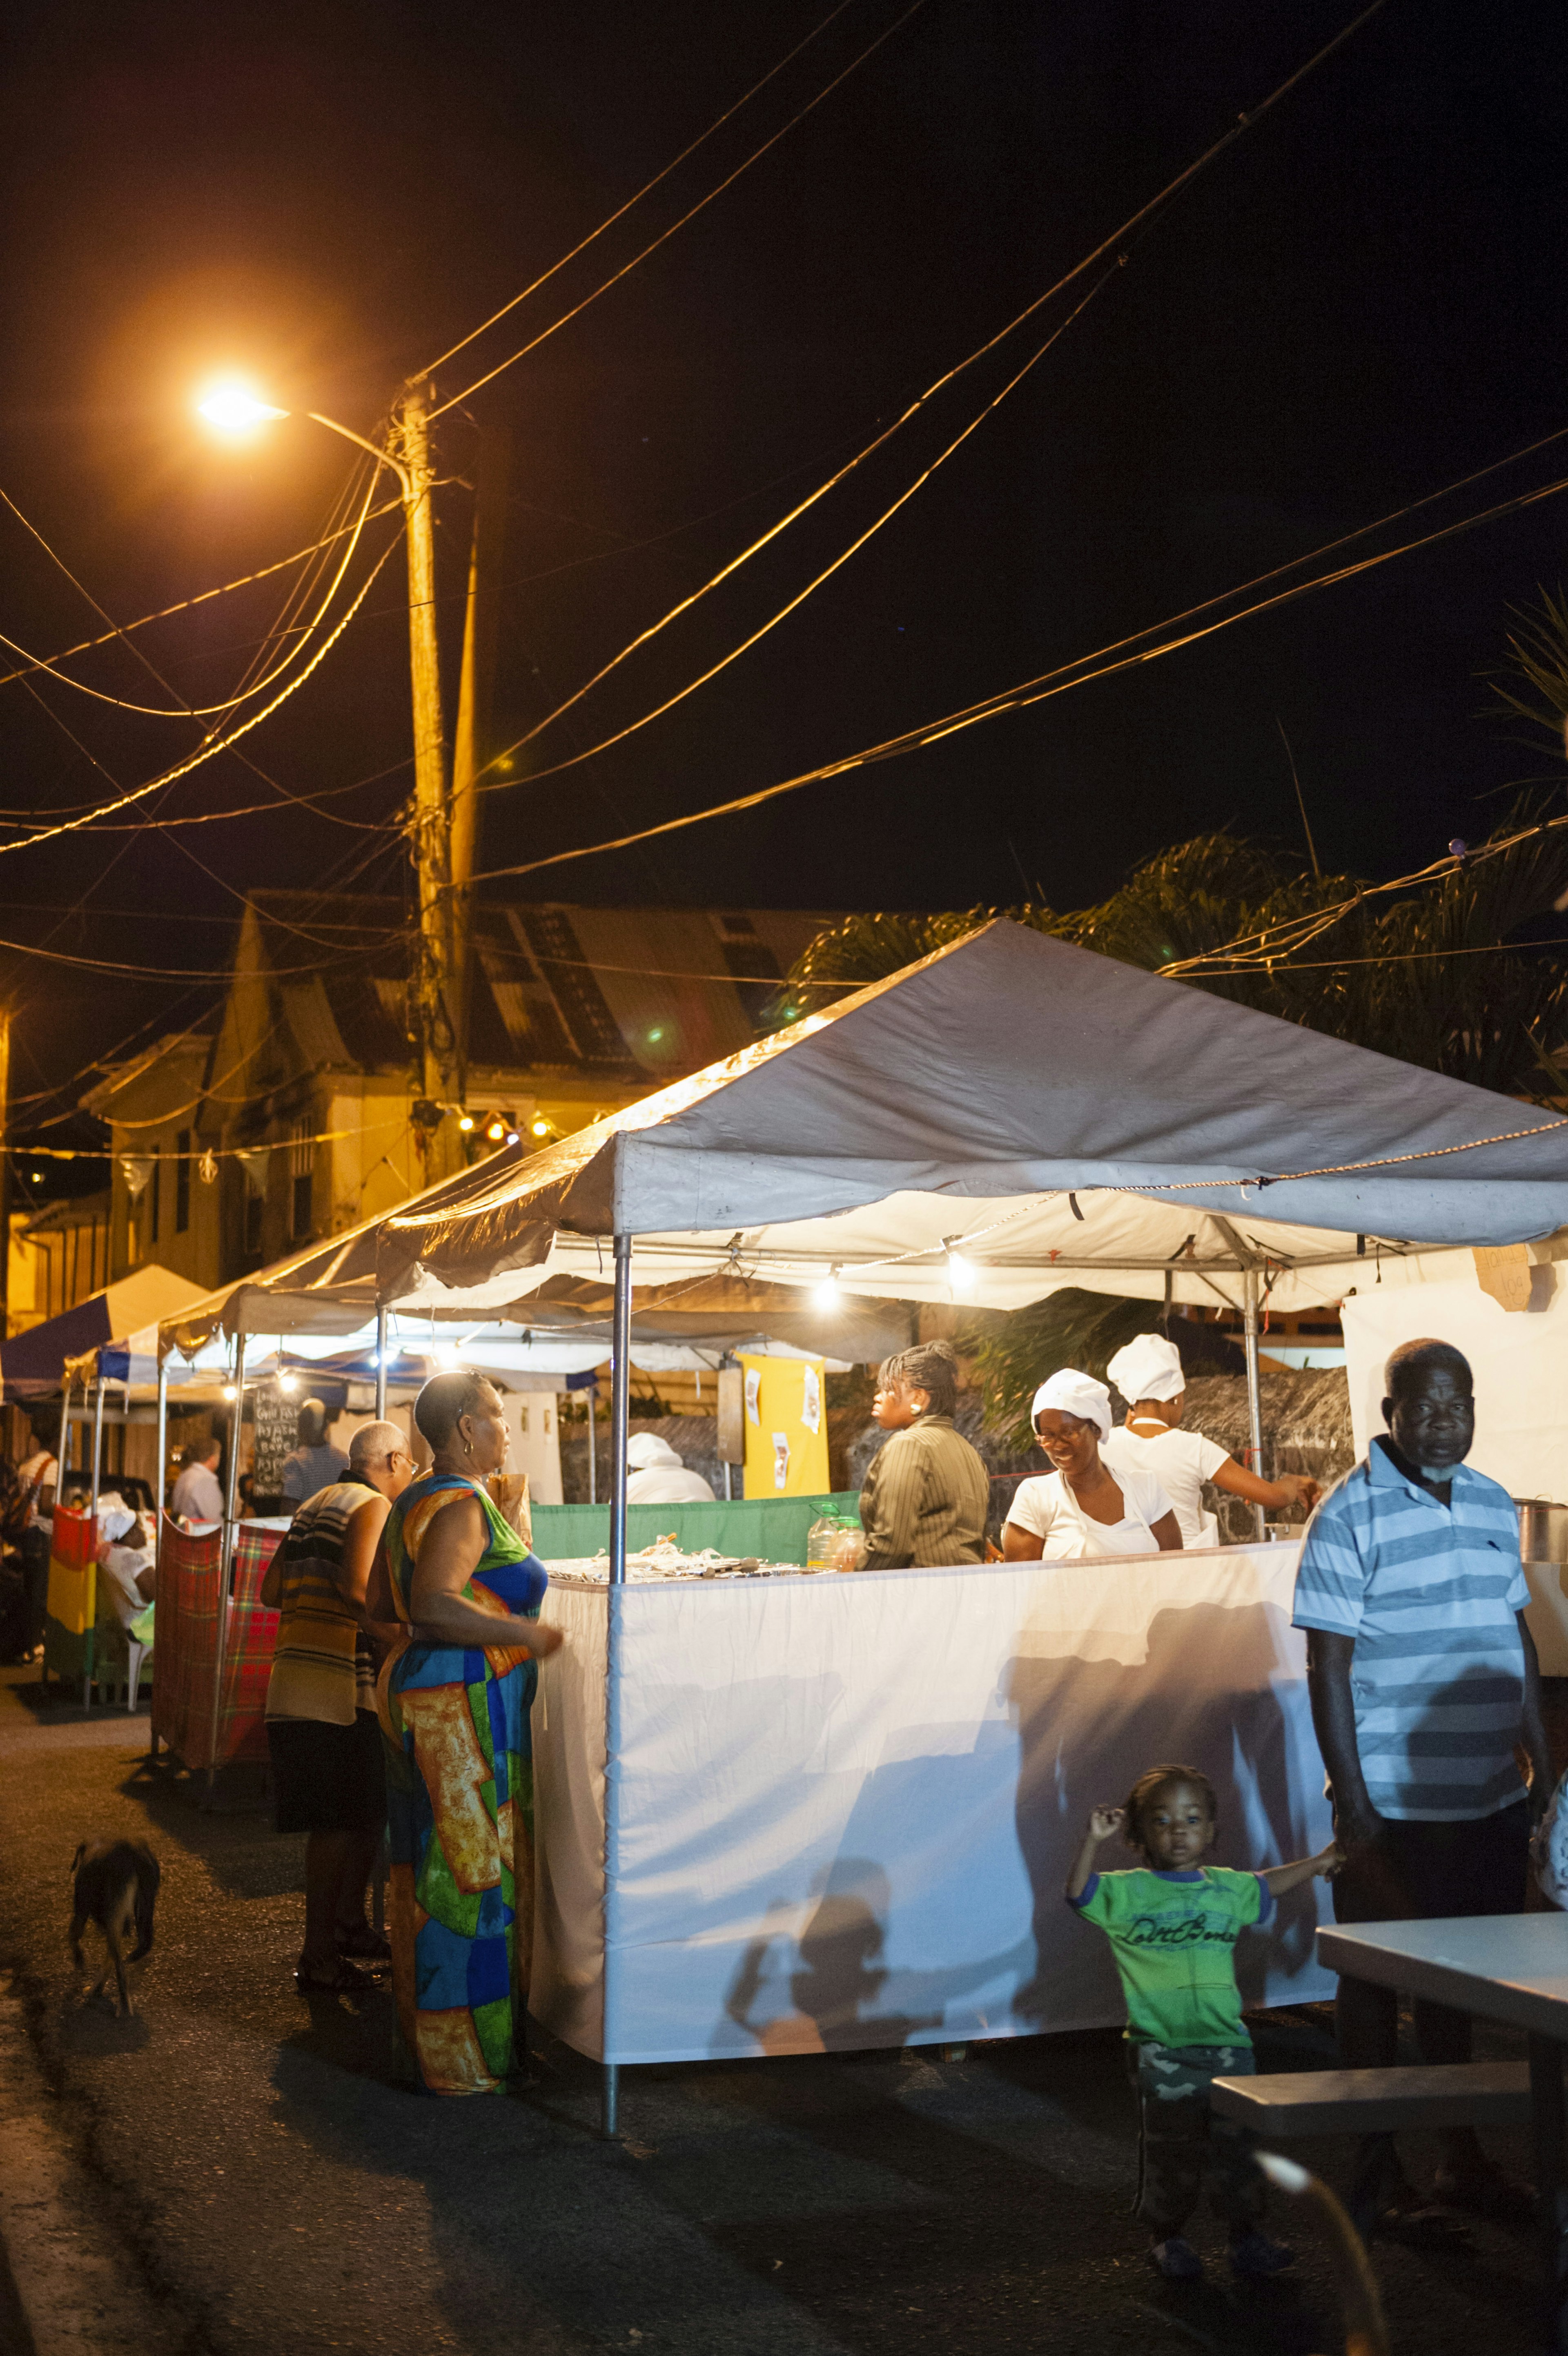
<point x="1543" y="1530"/>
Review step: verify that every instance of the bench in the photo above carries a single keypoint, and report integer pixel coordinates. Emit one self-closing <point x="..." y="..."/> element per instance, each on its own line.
<point x="1376" y="2102"/>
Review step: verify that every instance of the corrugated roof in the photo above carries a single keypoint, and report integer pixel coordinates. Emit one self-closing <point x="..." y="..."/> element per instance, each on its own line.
<point x="619" y="993"/>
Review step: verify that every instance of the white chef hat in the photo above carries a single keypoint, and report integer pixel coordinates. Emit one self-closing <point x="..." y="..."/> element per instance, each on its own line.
<point x="1149" y="1367"/>
<point x="117" y="1523"/>
<point x="1071" y="1393"/>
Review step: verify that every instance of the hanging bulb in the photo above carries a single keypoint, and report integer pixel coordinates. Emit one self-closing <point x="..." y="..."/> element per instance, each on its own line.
<point x="827" y="1294"/>
<point x="961" y="1274"/>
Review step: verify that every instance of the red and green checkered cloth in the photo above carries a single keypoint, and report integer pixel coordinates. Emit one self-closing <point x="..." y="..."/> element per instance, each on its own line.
<point x="187" y="1628"/>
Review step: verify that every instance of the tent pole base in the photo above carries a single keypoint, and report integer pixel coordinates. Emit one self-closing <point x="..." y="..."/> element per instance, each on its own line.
<point x="610" y="2101"/>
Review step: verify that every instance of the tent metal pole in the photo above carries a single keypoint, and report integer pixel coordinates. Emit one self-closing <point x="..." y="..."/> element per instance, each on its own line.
<point x="159" y="1483"/>
<point x="592" y="1443"/>
<point x="620" y="1410"/>
<point x="61" y="1453"/>
<point x="89" y="1634"/>
<point x="1254" y="1395"/>
<point x="381" y="1365"/>
<point x="226" y="1553"/>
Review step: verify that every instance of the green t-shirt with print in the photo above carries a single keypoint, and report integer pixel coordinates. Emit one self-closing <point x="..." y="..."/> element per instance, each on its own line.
<point x="1173" y="1935"/>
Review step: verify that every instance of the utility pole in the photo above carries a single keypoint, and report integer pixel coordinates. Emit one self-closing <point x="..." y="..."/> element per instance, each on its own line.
<point x="473" y="739"/>
<point x="4" y="1171"/>
<point x="432" y="994"/>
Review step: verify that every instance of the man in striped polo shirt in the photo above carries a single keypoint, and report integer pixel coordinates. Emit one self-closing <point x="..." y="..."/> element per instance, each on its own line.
<point x="1423" y="1678"/>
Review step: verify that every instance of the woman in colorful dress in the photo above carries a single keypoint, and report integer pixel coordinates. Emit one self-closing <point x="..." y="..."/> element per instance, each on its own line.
<point x="455" y="1712"/>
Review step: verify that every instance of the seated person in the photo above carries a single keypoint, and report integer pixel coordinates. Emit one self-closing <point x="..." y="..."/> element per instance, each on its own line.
<point x="124" y="1557"/>
<point x="658" y="1477"/>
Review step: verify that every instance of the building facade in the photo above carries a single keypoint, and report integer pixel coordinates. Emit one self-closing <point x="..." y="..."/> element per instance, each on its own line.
<point x="290" y="1114"/>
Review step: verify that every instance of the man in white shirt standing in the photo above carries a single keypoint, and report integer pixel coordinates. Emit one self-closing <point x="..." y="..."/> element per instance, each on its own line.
<point x="198" y="1496"/>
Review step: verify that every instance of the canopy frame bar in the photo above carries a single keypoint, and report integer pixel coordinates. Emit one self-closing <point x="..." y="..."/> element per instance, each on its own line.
<point x="226" y="1553"/>
<point x="621" y="1412"/>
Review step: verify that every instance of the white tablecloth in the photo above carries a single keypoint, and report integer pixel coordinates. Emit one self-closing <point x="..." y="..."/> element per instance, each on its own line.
<point x="844" y="1806"/>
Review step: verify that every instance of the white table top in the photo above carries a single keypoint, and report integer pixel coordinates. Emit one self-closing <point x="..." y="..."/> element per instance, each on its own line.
<point x="1509" y="1967"/>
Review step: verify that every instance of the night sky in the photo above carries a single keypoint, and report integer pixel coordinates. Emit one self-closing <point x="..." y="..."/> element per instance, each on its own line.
<point x="1360" y="303"/>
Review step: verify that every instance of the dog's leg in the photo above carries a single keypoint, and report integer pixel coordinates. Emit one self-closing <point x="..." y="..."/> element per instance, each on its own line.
<point x="117" y="1932"/>
<point x="77" y="1925"/>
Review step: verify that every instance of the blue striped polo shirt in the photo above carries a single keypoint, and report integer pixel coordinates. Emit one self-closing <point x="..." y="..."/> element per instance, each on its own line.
<point x="1429" y="1592"/>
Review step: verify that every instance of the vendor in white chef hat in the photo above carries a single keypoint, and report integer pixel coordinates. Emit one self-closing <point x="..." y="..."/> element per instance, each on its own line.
<point x="1148" y="1374"/>
<point x="1083" y="1508"/>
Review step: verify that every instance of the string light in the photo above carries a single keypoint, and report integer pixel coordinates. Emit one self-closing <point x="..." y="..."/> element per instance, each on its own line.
<point x="962" y="1274"/>
<point x="828" y="1293"/>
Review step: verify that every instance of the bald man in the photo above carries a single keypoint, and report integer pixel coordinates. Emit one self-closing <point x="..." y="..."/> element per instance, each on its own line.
<point x="322" y="1729"/>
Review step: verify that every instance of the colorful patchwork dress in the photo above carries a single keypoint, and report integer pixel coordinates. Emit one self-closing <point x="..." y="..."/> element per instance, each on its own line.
<point x="460" y="1810"/>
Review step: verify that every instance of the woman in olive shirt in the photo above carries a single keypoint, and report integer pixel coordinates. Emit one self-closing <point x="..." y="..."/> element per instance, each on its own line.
<point x="926" y="1492"/>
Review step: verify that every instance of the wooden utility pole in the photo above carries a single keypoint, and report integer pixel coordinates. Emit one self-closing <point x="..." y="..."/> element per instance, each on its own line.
<point x="432" y="994"/>
<point x="4" y="1171"/>
<point x="471" y="744"/>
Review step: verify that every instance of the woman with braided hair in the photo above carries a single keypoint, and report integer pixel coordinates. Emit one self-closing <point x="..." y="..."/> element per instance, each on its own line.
<point x="926" y="1494"/>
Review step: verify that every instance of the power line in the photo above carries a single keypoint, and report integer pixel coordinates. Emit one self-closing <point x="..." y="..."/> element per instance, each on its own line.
<point x="647" y="188"/>
<point x="757" y="153"/>
<point x="1136" y="224"/>
<point x="1074" y="674"/>
<point x="186" y="711"/>
<point x="215" y="743"/>
<point x="184" y="605"/>
<point x="793" y="603"/>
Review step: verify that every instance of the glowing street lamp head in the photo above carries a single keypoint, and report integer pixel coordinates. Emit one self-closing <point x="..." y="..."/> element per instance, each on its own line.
<point x="233" y="409"/>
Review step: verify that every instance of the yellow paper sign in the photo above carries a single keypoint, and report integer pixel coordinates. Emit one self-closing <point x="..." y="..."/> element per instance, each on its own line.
<point x="786" y="1428"/>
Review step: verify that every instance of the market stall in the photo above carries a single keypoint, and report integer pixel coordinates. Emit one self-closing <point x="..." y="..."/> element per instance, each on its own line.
<point x="1007" y="1117"/>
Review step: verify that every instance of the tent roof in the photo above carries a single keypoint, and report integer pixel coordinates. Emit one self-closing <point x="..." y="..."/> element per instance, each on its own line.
<point x="1008" y="1064"/>
<point x="33" y="1364"/>
<point x="1059" y="1117"/>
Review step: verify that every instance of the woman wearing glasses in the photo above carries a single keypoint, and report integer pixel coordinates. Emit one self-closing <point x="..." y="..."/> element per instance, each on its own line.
<point x="328" y="1766"/>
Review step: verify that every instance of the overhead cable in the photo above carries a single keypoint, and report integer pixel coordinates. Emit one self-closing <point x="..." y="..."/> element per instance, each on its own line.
<point x="757" y="153"/>
<point x="215" y="743"/>
<point x="1135" y="224"/>
<point x="1077" y="673"/>
<point x="646" y="190"/>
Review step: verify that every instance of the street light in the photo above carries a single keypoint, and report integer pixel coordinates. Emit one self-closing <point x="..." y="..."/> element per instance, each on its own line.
<point x="238" y="412"/>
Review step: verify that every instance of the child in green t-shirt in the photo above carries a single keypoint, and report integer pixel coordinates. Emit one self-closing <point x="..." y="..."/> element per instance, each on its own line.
<point x="1173" y="1926"/>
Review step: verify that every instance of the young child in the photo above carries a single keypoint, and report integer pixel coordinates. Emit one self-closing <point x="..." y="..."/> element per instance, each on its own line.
<point x="1173" y="1923"/>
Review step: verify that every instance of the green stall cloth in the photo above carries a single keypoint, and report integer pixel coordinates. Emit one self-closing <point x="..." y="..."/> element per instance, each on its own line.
<point x="774" y="1529"/>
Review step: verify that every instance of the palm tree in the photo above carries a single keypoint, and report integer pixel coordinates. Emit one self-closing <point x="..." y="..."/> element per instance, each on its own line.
<point x="1428" y="976"/>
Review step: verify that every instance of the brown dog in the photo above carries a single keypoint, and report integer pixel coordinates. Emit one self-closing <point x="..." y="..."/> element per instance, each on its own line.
<point x="117" y="1888"/>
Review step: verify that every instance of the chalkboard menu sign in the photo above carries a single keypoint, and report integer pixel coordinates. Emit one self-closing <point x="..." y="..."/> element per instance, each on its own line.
<point x="276" y="1419"/>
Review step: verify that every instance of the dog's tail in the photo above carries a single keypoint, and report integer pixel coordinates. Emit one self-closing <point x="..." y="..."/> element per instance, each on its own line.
<point x="80" y="1853"/>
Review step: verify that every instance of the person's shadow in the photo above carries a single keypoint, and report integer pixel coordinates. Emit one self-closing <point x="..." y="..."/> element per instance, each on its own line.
<point x="838" y="1976"/>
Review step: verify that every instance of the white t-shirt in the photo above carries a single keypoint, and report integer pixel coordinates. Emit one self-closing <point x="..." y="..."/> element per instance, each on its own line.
<point x="1181" y="1462"/>
<point x="666" y="1485"/>
<point x="1046" y="1507"/>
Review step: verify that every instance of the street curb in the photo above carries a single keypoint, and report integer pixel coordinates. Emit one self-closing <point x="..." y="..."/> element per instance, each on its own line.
<point x="77" y="2288"/>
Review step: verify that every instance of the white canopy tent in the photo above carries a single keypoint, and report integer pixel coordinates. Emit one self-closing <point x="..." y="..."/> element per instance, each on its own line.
<point x="1007" y="1117"/>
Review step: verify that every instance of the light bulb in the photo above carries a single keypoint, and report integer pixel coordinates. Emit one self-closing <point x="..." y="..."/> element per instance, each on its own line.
<point x="961" y="1273"/>
<point x="539" y="1128"/>
<point x="827" y="1294"/>
<point x="288" y="1385"/>
<point x="228" y="1391"/>
<point x="511" y="1136"/>
<point x="232" y="408"/>
<point x="467" y="1122"/>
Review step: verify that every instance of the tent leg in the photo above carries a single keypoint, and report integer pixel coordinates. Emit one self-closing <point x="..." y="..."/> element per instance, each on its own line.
<point x="380" y="1366"/>
<point x="1254" y="1395"/>
<point x="226" y="1556"/>
<point x="92" y="1517"/>
<point x="620" y="1410"/>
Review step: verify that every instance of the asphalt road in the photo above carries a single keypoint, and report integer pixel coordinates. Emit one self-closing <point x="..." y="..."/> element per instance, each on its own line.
<point x="256" y="2177"/>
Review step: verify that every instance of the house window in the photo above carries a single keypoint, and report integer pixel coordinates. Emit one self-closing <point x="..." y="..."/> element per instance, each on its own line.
<point x="301" y="1171"/>
<point x="182" y="1183"/>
